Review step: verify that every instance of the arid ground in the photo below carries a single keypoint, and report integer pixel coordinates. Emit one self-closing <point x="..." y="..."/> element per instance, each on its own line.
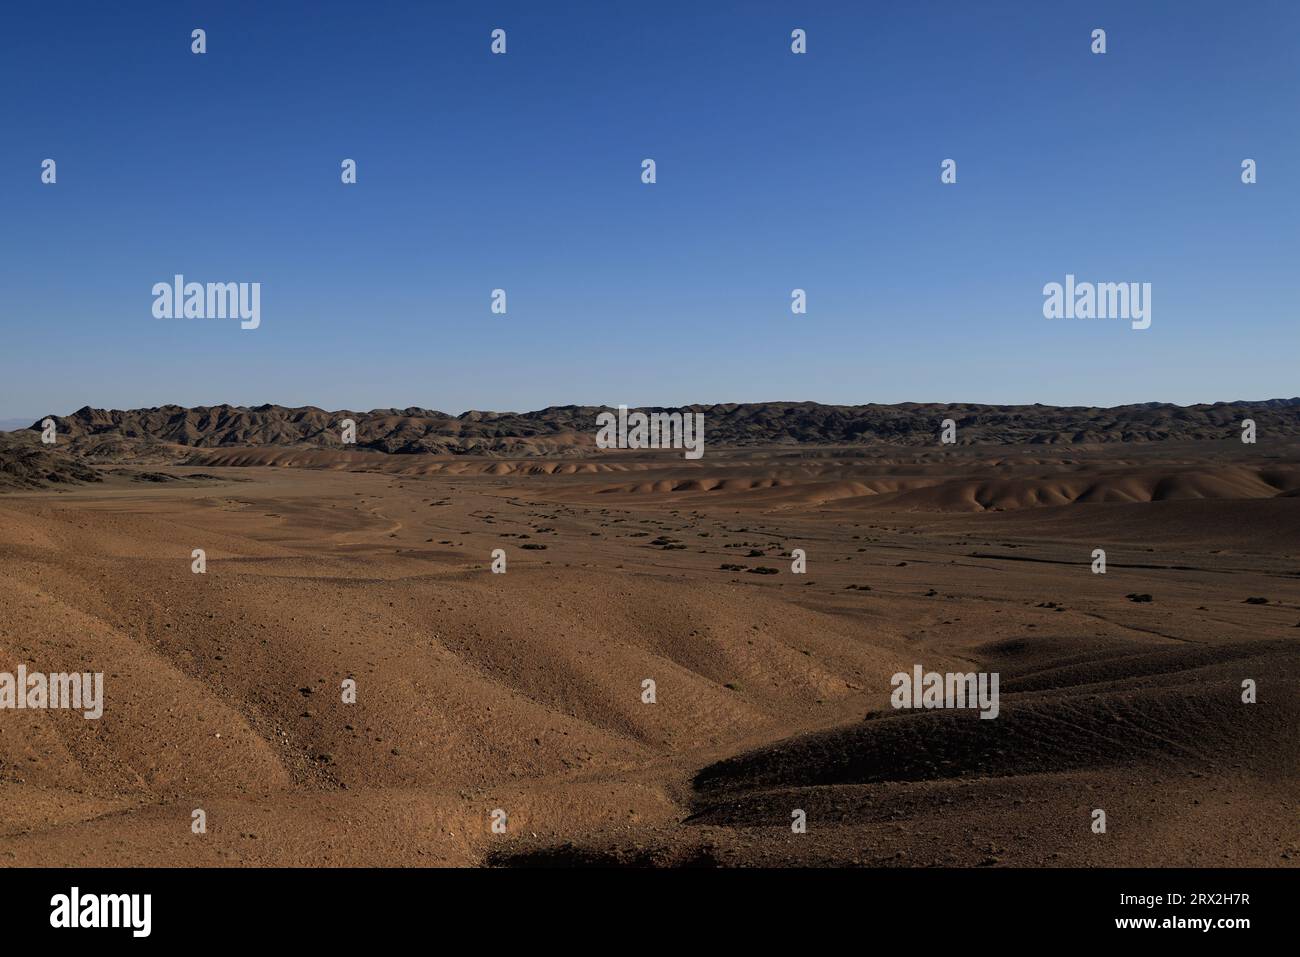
<point x="523" y="691"/>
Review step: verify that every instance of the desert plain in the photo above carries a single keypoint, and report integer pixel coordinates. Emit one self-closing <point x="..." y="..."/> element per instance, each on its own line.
<point x="524" y="692"/>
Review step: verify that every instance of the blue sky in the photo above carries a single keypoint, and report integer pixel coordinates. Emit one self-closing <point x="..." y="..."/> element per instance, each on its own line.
<point x="522" y="171"/>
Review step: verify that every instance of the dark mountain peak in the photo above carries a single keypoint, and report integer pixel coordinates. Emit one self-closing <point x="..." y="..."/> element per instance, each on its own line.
<point x="570" y="429"/>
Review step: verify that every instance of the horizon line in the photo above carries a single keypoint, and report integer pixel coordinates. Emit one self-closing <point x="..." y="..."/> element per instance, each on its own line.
<point x="34" y="421"/>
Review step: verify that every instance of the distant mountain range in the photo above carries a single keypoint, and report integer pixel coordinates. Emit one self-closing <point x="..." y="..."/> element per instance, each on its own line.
<point x="570" y="430"/>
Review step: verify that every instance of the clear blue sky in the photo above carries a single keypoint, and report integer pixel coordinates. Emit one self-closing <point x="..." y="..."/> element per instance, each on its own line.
<point x="522" y="171"/>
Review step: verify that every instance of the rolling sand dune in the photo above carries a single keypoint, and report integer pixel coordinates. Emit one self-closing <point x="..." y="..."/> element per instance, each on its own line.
<point x="524" y="691"/>
<point x="814" y="485"/>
